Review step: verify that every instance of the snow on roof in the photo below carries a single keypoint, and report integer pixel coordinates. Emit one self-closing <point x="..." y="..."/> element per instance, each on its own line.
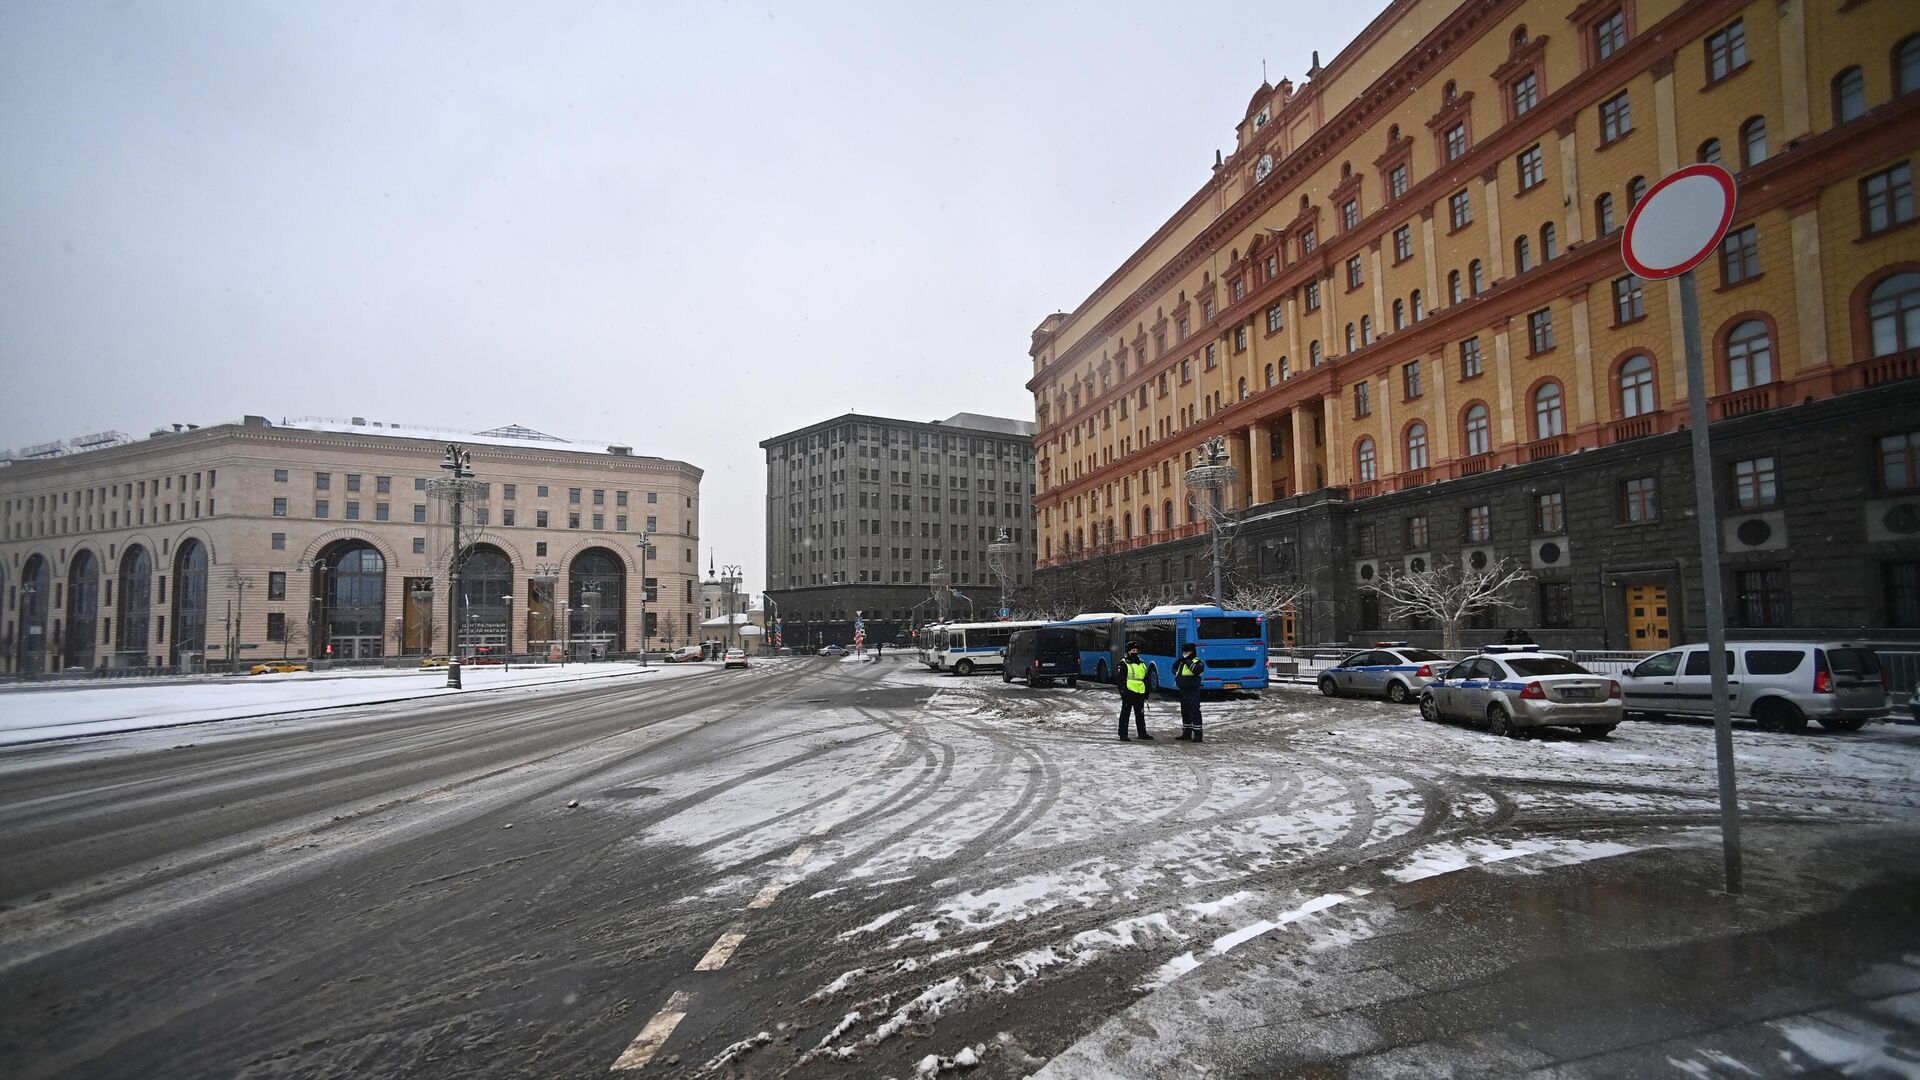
<point x="510" y="435"/>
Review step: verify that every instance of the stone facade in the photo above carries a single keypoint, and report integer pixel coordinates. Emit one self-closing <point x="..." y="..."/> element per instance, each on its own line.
<point x="320" y="538"/>
<point x="864" y="513"/>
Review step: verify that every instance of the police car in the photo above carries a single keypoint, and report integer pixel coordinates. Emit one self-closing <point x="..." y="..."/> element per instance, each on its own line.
<point x="1390" y="669"/>
<point x="1516" y="690"/>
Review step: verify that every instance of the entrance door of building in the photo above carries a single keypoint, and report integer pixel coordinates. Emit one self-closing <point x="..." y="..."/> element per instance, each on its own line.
<point x="358" y="647"/>
<point x="1648" y="624"/>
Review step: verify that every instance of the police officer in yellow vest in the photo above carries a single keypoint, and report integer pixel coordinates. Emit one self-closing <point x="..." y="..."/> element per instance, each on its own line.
<point x="1186" y="679"/>
<point x="1133" y="692"/>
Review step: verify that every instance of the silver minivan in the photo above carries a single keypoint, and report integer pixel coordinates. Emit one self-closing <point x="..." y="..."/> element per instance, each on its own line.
<point x="1778" y="684"/>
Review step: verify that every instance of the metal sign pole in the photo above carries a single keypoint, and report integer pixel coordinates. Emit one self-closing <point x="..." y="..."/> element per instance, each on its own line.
<point x="1709" y="520"/>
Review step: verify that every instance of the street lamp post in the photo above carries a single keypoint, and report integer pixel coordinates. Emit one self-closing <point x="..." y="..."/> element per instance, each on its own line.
<point x="239" y="583"/>
<point x="459" y="466"/>
<point x="1212" y="477"/>
<point x="506" y="656"/>
<point x="998" y="552"/>
<point x="310" y="567"/>
<point x="729" y="581"/>
<point x="646" y="553"/>
<point x="28" y="593"/>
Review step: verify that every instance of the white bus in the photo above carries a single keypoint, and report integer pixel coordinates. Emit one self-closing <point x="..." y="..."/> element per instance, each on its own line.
<point x="964" y="648"/>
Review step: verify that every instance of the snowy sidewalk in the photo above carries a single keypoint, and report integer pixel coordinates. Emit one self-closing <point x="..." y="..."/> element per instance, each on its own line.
<point x="37" y="714"/>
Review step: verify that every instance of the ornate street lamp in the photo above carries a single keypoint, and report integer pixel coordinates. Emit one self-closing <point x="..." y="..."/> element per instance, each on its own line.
<point x="1212" y="477"/>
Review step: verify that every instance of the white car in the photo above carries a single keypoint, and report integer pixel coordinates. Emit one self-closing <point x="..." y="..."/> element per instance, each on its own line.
<point x="1517" y="691"/>
<point x="686" y="655"/>
<point x="736" y="658"/>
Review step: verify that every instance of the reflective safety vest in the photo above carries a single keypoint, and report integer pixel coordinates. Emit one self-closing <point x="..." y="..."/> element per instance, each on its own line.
<point x="1189" y="665"/>
<point x="1136" y="672"/>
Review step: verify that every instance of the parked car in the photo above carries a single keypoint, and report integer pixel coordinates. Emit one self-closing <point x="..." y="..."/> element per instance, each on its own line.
<point x="686" y="654"/>
<point x="277" y="667"/>
<point x="833" y="650"/>
<point x="1397" y="673"/>
<point x="736" y="658"/>
<point x="1043" y="654"/>
<point x="434" y="661"/>
<point x="1515" y="692"/>
<point x="1778" y="684"/>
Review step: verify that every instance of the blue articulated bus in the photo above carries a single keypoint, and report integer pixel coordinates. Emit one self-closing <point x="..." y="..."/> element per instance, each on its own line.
<point x="1232" y="643"/>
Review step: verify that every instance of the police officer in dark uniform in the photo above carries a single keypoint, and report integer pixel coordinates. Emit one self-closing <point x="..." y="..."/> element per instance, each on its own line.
<point x="1133" y="692"/>
<point x="1186" y="679"/>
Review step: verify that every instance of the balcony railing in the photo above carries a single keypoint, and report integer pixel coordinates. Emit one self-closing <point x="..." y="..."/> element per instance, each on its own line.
<point x="1546" y="448"/>
<point x="1474" y="465"/>
<point x="1365" y="489"/>
<point x="1636" y="427"/>
<point x="1413" y="478"/>
<point x="1892" y="367"/>
<point x="1744" y="402"/>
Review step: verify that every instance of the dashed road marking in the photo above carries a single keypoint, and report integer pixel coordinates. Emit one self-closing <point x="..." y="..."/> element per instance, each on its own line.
<point x="721" y="952"/>
<point x="800" y="855"/>
<point x="767" y="896"/>
<point x="654" y="1035"/>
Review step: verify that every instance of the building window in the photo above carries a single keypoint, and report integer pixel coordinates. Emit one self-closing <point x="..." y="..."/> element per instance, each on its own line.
<point x="1901" y="583"/>
<point x="1351" y="340"/>
<point x="573" y="519"/>
<point x="1459" y="209"/>
<point x="1410" y="379"/>
<point x="1470" y="358"/>
<point x="1403" y="243"/>
<point x="1417" y="446"/>
<point x="279" y="476"/>
<point x="280" y="507"/>
<point x="1397" y="181"/>
<point x="1603" y="214"/>
<point x="1364" y="543"/>
<point x="1740" y="256"/>
<point x="1550" y="512"/>
<point x="322" y="481"/>
<point x="1366" y="330"/>
<point x="1354" y="274"/>
<point x="1183" y="328"/>
<point x="1709" y="152"/>
<point x="540" y="519"/>
<point x="1479" y="431"/>
<point x="1753" y="483"/>
<point x="1533" y="167"/>
<point x="1636" y="190"/>
<point x="1556" y="605"/>
<point x="1639" y="501"/>
<point x="1900" y="462"/>
<point x="1349" y="215"/>
<point x="1477" y="277"/>
<point x="1239" y="339"/>
<point x="1760" y="597"/>
<point x="1893" y="314"/>
<point x="1362" y="399"/>
<point x="1540" y="330"/>
<point x="1526" y="93"/>
<point x="1419" y="306"/>
<point x="1616" y="119"/>
<point x="1886" y="198"/>
<point x="1629" y="301"/>
<point x="419" y="514"/>
<point x="507" y="515"/>
<point x="1313" y="354"/>
<point x="1238" y="289"/>
<point x="353" y="511"/>
<point x="1479" y="524"/>
<point x="279" y="541"/>
<point x="1906" y="66"/>
<point x="1609" y="35"/>
<point x="1549" y="412"/>
<point x="419" y="545"/>
<point x="1313" y="296"/>
<point x="353" y="481"/>
<point x="1186" y="372"/>
<point x="321" y="508"/>
<point x="1275" y="320"/>
<point x="1727" y="51"/>
<point x="1368" y="468"/>
<point x="1636" y="387"/>
<point x="1522" y="255"/>
<point x="1453" y="286"/>
<point x="1417" y="532"/>
<point x="1308" y="242"/>
<point x="1753" y="142"/>
<point x="1399" y="314"/>
<point x="1456" y="140"/>
<point x="276" y="626"/>
<point x="1849" y="96"/>
<point x="1749" y="356"/>
<point x="1206" y="310"/>
<point x="1549" y="243"/>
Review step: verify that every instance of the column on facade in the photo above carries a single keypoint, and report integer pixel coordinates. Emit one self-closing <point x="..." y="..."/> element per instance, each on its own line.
<point x="1430" y="257"/>
<point x="1666" y="137"/>
<point x="1809" y="284"/>
<point x="1796" y="114"/>
<point x="1260" y="462"/>
<point x="1302" y="449"/>
<point x="1583" y="395"/>
<point x="1379" y="287"/>
<point x="1336" y="450"/>
<point x="1385" y="447"/>
<point x="1575" y="222"/>
<point x="1496" y="237"/>
<point x="1294" y="356"/>
<point x="1440" y="430"/>
<point x="1326" y="314"/>
<point x="1503" y="381"/>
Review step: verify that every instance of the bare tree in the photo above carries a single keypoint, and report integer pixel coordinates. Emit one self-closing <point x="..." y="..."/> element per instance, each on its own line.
<point x="1269" y="596"/>
<point x="1448" y="594"/>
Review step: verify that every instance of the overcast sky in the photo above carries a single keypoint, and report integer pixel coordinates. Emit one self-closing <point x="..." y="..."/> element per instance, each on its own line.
<point x="686" y="227"/>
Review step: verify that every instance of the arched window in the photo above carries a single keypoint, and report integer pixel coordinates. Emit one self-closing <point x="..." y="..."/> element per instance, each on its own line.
<point x="83" y="610"/>
<point x="35" y="599"/>
<point x="1749" y="356"/>
<point x="1753" y="142"/>
<point x="1146" y="520"/>
<point x="1269" y="374"/>
<point x="1906" y="66"/>
<point x="189" y="601"/>
<point x="1399" y="314"/>
<point x="1478" y="277"/>
<point x="1419" y="309"/>
<point x="1709" y="153"/>
<point x="1549" y="243"/>
<point x="1366" y="329"/>
<point x="1313" y="354"/>
<point x="1243" y="388"/>
<point x="1364" y="455"/>
<point x="1636" y="387"/>
<point x="1479" y="430"/>
<point x="1893" y="314"/>
<point x="1603" y="214"/>
<point x="1166" y="513"/>
<point x="1126" y="525"/>
<point x="1450" y="91"/>
<point x="1849" y="95"/>
<point x="1522" y="255"/>
<point x="1636" y="190"/>
<point x="1520" y="35"/>
<point x="1351" y="339"/>
<point x="1417" y="446"/>
<point x="1549" y="413"/>
<point x="136" y="605"/>
<point x="1453" y="286"/>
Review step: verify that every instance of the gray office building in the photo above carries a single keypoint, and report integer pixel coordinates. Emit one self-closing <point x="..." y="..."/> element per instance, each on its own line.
<point x="865" y="513"/>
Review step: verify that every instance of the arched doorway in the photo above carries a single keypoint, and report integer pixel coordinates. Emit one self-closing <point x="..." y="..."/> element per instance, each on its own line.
<point x="83" y="610"/>
<point x="485" y="600"/>
<point x="597" y="599"/>
<point x="136" y="606"/>
<point x="36" y="592"/>
<point x="351" y="584"/>
<point x="190" y="604"/>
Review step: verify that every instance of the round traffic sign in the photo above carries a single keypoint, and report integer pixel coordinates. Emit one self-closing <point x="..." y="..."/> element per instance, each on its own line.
<point x="1678" y="223"/>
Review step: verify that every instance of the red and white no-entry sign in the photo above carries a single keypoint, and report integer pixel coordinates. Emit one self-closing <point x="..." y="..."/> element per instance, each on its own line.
<point x="1677" y="224"/>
